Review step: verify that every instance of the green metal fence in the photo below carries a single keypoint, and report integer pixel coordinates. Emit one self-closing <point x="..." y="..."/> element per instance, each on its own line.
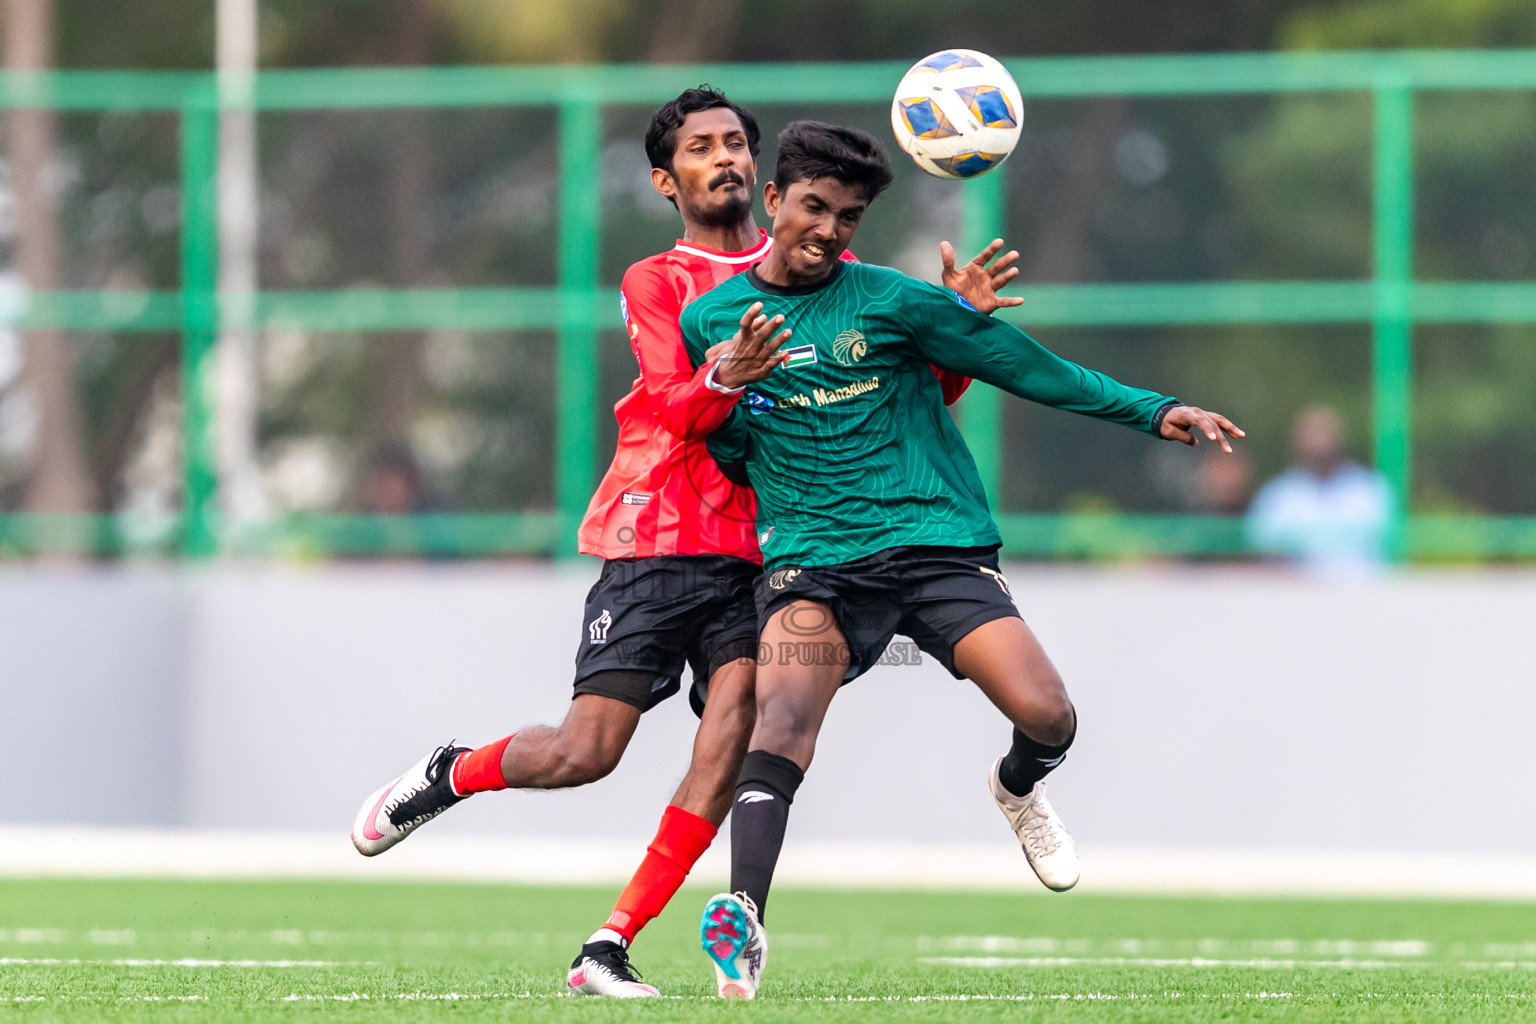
<point x="1392" y="301"/>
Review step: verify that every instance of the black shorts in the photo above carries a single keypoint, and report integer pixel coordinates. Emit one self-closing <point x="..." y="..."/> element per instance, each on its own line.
<point x="645" y="617"/>
<point x="935" y="595"/>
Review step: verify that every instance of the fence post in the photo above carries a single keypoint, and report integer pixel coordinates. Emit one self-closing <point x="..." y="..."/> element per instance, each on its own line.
<point x="981" y="413"/>
<point x="1392" y="334"/>
<point x="576" y="362"/>
<point x="199" y="316"/>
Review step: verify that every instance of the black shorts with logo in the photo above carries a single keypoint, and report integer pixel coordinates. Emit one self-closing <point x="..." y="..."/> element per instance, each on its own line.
<point x="646" y="617"/>
<point x="935" y="595"/>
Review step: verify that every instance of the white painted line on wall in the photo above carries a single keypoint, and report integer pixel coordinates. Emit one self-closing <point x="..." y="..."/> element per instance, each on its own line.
<point x="28" y="851"/>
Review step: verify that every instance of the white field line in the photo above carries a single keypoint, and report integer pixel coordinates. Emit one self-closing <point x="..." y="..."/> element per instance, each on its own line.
<point x="950" y="961"/>
<point x="1065" y="997"/>
<point x="1038" y="947"/>
<point x="1044" y="945"/>
<point x="1202" y="962"/>
<point x="28" y="851"/>
<point x="352" y="997"/>
<point x="23" y="961"/>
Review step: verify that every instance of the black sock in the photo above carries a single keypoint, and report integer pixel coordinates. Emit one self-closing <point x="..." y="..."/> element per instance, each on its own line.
<point x="1028" y="762"/>
<point x="764" y="790"/>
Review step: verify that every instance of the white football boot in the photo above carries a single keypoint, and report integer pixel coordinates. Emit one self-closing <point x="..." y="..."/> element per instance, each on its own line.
<point x="1046" y="842"/>
<point x="736" y="943"/>
<point x="401" y="807"/>
<point x="603" y="969"/>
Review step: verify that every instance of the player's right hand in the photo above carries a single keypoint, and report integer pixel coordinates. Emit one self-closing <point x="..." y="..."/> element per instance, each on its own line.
<point x="753" y="353"/>
<point x="979" y="280"/>
<point x="1185" y="424"/>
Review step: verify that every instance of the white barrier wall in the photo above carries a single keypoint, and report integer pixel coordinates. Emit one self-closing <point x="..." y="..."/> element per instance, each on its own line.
<point x="1218" y="707"/>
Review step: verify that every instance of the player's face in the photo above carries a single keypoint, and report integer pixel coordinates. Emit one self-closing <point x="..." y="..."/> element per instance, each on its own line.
<point x="713" y="172"/>
<point x="813" y="223"/>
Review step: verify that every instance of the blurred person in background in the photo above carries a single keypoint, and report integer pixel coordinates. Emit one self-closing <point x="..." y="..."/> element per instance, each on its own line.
<point x="1217" y="484"/>
<point x="1325" y="512"/>
<point x="393" y="491"/>
<point x="1223" y="484"/>
<point x="392" y="485"/>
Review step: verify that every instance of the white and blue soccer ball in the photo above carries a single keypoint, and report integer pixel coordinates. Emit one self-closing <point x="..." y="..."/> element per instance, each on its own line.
<point x="957" y="113"/>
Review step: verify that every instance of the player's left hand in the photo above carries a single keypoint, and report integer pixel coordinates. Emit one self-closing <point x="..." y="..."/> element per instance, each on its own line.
<point x="977" y="282"/>
<point x="1185" y="424"/>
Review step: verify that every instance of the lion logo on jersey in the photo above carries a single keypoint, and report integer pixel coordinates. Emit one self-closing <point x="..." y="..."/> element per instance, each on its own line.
<point x="849" y="347"/>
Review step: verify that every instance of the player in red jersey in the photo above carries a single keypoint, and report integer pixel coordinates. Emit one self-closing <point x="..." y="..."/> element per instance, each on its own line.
<point x="678" y="543"/>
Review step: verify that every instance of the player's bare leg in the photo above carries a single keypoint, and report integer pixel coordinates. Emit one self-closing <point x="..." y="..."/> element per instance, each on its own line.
<point x="688" y="826"/>
<point x="583" y="748"/>
<point x="1007" y="663"/>
<point x="795" y="690"/>
<point x="721" y="742"/>
<point x="807" y="658"/>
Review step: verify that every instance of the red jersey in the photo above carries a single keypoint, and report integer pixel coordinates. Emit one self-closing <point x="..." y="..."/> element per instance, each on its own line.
<point x="663" y="494"/>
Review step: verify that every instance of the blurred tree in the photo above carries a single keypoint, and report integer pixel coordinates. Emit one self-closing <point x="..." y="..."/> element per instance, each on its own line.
<point x="1299" y="184"/>
<point x="538" y="32"/>
<point x="1062" y="247"/>
<point x="409" y="210"/>
<point x="693" y="30"/>
<point x="161" y="34"/>
<point x="59" y="478"/>
<point x="1389" y="24"/>
<point x="1258" y="188"/>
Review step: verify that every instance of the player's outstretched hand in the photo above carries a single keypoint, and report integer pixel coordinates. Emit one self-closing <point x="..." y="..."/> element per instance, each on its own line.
<point x="977" y="282"/>
<point x="753" y="353"/>
<point x="1185" y="424"/>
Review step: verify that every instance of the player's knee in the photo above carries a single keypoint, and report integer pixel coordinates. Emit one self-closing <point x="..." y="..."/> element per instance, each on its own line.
<point x="785" y="729"/>
<point x="1054" y="720"/>
<point x="785" y="718"/>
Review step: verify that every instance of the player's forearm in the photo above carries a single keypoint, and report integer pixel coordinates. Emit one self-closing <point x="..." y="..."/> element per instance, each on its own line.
<point x="1007" y="358"/>
<point x="691" y="409"/>
<point x="1062" y="384"/>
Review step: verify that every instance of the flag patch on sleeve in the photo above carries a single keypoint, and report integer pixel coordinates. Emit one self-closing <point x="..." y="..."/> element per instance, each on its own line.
<point x="800" y="355"/>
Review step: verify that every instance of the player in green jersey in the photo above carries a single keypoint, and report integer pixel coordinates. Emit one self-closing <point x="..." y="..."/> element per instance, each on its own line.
<point x="871" y="515"/>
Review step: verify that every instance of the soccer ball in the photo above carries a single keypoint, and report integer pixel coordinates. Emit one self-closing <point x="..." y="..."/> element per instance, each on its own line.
<point x="957" y="113"/>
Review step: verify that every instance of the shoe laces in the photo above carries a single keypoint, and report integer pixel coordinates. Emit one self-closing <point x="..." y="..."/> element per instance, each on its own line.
<point x="441" y="760"/>
<point x="617" y="963"/>
<point x="747" y="902"/>
<point x="1040" y="829"/>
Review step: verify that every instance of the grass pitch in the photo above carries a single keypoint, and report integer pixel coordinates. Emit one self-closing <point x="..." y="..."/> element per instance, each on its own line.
<point x="324" y="951"/>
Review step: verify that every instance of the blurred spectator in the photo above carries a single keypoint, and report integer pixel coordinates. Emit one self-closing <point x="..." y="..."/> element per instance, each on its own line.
<point x="1225" y="482"/>
<point x="1324" y="512"/>
<point x="392" y="489"/>
<point x="392" y="486"/>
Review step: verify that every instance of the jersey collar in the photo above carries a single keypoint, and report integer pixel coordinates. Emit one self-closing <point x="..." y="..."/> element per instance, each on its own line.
<point x="749" y="256"/>
<point x="756" y="280"/>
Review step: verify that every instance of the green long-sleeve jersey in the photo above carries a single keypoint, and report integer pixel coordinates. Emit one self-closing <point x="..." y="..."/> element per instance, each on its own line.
<point x="848" y="444"/>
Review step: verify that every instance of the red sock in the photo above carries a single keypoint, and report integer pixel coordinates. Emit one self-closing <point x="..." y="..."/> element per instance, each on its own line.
<point x="479" y="771"/>
<point x="680" y="842"/>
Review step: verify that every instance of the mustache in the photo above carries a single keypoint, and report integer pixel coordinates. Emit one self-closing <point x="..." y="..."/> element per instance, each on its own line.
<point x="726" y="177"/>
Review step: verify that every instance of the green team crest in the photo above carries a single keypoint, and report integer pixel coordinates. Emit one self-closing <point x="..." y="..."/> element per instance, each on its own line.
<point x="849" y="347"/>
